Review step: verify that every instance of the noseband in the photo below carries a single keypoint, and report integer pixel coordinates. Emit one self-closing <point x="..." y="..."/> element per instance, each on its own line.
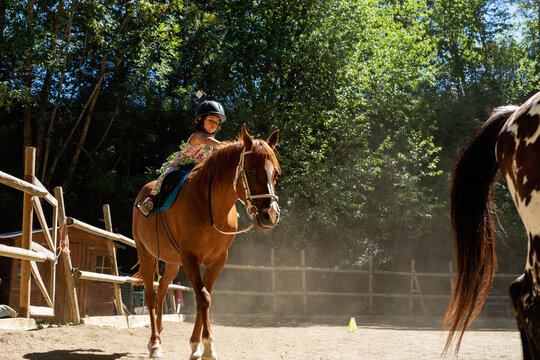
<point x="251" y="209"/>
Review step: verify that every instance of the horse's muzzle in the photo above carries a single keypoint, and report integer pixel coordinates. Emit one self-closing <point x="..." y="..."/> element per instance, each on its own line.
<point x="269" y="217"/>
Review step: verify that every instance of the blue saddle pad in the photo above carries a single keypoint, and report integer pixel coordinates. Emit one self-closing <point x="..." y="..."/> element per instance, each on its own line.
<point x="174" y="193"/>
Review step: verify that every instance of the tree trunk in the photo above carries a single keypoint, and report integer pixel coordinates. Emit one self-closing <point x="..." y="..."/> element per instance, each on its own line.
<point x="3" y="7"/>
<point x="46" y="88"/>
<point x="72" y="132"/>
<point x="86" y="127"/>
<point x="28" y="75"/>
<point x="67" y="37"/>
<point x="96" y="92"/>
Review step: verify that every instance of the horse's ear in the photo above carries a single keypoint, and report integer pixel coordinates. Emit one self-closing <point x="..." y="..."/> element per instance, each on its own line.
<point x="273" y="139"/>
<point x="246" y="138"/>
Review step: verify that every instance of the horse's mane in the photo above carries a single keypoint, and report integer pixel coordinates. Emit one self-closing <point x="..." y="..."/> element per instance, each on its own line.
<point x="225" y="159"/>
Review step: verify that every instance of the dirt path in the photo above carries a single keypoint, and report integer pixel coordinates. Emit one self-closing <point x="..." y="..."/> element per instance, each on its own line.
<point x="310" y="342"/>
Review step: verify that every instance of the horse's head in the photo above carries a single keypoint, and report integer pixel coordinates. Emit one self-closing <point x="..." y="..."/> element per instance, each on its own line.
<point x="257" y="172"/>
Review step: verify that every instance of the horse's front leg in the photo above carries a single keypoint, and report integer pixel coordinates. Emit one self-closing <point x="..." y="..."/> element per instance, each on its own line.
<point x="211" y="273"/>
<point x="192" y="267"/>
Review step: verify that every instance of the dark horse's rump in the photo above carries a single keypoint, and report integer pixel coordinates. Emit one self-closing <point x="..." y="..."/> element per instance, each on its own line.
<point x="508" y="141"/>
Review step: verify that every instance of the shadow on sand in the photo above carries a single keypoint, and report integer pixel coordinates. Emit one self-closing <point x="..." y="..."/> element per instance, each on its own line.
<point x="79" y="354"/>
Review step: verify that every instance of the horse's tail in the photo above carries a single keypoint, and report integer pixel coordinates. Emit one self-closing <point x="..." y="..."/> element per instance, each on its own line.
<point x="472" y="224"/>
<point x="138" y="276"/>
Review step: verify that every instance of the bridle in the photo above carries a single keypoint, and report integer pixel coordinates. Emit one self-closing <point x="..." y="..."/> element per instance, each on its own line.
<point x="251" y="209"/>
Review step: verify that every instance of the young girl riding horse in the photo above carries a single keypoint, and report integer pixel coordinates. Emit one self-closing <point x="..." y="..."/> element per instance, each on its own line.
<point x="208" y="118"/>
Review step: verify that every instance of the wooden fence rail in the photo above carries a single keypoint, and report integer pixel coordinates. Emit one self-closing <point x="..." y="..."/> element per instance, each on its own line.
<point x="415" y="292"/>
<point x="29" y="253"/>
<point x="114" y="278"/>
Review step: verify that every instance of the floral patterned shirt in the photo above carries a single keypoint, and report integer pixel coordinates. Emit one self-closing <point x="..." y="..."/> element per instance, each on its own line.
<point x="188" y="154"/>
<point x="191" y="154"/>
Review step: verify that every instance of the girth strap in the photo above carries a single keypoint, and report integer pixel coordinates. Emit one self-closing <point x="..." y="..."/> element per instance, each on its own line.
<point x="168" y="236"/>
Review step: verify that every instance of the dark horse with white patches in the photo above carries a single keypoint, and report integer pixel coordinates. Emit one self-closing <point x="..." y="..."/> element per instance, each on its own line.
<point x="509" y="141"/>
<point x="200" y="225"/>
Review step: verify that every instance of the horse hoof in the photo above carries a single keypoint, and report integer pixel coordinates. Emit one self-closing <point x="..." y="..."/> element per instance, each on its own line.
<point x="196" y="351"/>
<point x="156" y="353"/>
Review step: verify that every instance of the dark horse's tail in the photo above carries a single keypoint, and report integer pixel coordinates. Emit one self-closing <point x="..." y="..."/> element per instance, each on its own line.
<point x="472" y="224"/>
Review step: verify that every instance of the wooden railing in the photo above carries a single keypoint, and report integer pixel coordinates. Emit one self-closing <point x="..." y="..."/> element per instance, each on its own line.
<point x="415" y="292"/>
<point x="29" y="253"/>
<point x="58" y="246"/>
<point x="109" y="236"/>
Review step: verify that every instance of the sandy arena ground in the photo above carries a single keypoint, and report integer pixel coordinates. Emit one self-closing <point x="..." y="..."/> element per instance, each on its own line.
<point x="256" y="342"/>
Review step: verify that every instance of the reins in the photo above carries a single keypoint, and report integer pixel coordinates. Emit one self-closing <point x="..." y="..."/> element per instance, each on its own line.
<point x="250" y="208"/>
<point x="210" y="209"/>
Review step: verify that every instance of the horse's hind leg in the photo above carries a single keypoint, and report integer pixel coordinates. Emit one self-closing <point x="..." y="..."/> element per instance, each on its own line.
<point x="168" y="275"/>
<point x="527" y="313"/>
<point x="211" y="273"/>
<point x="515" y="295"/>
<point x="146" y="270"/>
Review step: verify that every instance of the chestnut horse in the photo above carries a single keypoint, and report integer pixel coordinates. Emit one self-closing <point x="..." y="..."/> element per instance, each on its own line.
<point x="509" y="141"/>
<point x="200" y="225"/>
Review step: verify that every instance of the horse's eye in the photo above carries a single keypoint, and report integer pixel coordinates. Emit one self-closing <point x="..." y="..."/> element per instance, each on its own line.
<point x="251" y="171"/>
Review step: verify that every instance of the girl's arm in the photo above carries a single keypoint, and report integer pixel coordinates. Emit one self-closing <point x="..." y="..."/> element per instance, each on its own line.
<point x="201" y="138"/>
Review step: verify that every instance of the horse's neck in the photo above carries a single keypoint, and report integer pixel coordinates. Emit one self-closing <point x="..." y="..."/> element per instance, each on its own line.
<point x="223" y="196"/>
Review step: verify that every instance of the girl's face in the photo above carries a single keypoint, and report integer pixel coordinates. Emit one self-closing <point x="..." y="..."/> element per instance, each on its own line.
<point x="211" y="123"/>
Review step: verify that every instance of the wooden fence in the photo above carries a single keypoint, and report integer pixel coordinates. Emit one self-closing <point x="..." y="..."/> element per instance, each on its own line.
<point x="57" y="241"/>
<point x="29" y="253"/>
<point x="412" y="277"/>
<point x="114" y="278"/>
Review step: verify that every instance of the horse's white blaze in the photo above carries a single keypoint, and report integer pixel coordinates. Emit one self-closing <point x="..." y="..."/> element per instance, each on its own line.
<point x="269" y="167"/>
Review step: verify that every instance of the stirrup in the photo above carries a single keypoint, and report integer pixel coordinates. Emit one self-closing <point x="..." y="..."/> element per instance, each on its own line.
<point x="145" y="205"/>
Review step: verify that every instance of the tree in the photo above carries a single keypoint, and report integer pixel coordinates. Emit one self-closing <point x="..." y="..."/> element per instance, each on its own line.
<point x="373" y="100"/>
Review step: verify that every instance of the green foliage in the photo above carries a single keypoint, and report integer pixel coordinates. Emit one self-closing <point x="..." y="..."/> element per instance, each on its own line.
<point x="373" y="99"/>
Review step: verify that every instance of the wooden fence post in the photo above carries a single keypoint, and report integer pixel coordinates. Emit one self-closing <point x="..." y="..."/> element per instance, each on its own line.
<point x="304" y="282"/>
<point x="172" y="301"/>
<point x="66" y="258"/>
<point x="273" y="275"/>
<point x="55" y="242"/>
<point x="112" y="257"/>
<point x="370" y="284"/>
<point x="415" y="289"/>
<point x="411" y="287"/>
<point x="28" y="211"/>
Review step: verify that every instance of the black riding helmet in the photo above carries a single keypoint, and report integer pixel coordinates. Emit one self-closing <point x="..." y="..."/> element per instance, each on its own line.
<point x="210" y="107"/>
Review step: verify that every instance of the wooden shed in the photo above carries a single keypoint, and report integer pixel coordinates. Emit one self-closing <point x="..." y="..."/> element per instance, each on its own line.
<point x="87" y="251"/>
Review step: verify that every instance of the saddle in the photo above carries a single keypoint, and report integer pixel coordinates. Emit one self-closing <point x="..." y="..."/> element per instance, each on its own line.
<point x="170" y="187"/>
